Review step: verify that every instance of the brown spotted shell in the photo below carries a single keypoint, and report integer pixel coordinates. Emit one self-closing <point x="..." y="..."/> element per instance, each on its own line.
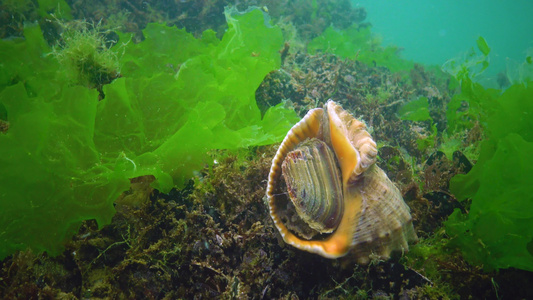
<point x="333" y="199"/>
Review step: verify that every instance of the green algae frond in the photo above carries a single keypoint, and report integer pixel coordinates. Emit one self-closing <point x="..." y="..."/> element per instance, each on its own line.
<point x="67" y="155"/>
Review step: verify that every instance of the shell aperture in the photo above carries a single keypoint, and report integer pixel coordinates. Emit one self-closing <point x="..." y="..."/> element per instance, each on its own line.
<point x="359" y="211"/>
<point x="314" y="185"/>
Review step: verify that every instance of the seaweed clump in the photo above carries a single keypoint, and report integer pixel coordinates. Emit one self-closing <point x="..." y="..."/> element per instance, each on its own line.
<point x="85" y="56"/>
<point x="69" y="156"/>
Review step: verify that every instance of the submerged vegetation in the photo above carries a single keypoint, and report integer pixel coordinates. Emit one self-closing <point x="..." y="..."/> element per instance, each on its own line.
<point x="92" y="147"/>
<point x="497" y="232"/>
<point x="149" y="144"/>
<point x="85" y="56"/>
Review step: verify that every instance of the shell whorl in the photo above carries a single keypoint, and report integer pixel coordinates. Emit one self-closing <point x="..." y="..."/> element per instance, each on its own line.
<point x="385" y="224"/>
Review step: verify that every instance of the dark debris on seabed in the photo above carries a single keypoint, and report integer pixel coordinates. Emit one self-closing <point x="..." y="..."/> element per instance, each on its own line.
<point x="214" y="238"/>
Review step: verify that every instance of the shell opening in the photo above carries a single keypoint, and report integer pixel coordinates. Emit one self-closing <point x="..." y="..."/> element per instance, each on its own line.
<point x="312" y="179"/>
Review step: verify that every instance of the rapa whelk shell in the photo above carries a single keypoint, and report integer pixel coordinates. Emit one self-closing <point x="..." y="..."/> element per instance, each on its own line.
<point x="333" y="200"/>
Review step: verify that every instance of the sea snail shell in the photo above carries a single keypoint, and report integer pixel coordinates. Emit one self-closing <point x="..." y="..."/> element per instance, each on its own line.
<point x="333" y="200"/>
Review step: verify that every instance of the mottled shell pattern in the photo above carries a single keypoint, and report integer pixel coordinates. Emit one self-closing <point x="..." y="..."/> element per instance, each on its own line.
<point x="327" y="196"/>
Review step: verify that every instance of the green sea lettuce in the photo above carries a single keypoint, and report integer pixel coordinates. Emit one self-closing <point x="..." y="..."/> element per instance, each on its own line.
<point x="59" y="7"/>
<point x="520" y="72"/>
<point x="67" y="156"/>
<point x="415" y="110"/>
<point x="25" y="57"/>
<point x="44" y="7"/>
<point x="51" y="175"/>
<point x="418" y="110"/>
<point x="471" y="64"/>
<point x="465" y="69"/>
<point x="357" y="43"/>
<point x="497" y="232"/>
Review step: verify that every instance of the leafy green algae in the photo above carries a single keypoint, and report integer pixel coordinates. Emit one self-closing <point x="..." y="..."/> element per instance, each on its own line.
<point x="418" y="110"/>
<point x="51" y="176"/>
<point x="415" y="110"/>
<point x="67" y="156"/>
<point x="497" y="232"/>
<point x="358" y="43"/>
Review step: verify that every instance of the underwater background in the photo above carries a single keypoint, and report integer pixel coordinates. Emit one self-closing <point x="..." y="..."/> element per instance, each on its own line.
<point x="136" y="139"/>
<point x="434" y="32"/>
